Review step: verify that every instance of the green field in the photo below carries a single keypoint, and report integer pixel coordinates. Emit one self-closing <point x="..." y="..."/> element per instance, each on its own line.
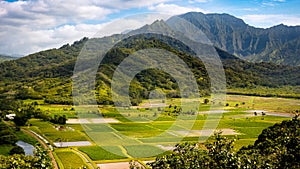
<point x="139" y="134"/>
<point x="69" y="159"/>
<point x="59" y="109"/>
<point x="48" y="130"/>
<point x="272" y="104"/>
<point x="97" y="153"/>
<point x="4" y="149"/>
<point x="138" y="151"/>
<point x="26" y="138"/>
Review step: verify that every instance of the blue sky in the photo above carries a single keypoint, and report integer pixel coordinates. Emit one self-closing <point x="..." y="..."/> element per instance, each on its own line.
<point x="34" y="25"/>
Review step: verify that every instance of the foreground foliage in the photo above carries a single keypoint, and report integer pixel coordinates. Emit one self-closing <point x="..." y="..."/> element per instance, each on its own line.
<point x="7" y="135"/>
<point x="276" y="147"/>
<point x="19" y="161"/>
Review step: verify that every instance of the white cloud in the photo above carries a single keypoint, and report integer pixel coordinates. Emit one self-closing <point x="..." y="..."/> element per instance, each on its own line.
<point x="125" y="4"/>
<point x="266" y="21"/>
<point x="249" y="9"/>
<point x="267" y="4"/>
<point x="272" y="3"/>
<point x="27" y="41"/>
<point x="200" y="1"/>
<point x="45" y="13"/>
<point x="173" y="9"/>
<point x="33" y="25"/>
<point x="130" y="23"/>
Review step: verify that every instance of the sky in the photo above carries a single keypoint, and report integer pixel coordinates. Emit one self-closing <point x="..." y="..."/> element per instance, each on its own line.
<point x="34" y="25"/>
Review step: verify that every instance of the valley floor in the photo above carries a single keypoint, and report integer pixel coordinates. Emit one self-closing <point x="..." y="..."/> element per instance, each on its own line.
<point x="143" y="132"/>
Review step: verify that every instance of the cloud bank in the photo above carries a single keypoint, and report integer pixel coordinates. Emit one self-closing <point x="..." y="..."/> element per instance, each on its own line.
<point x="33" y="25"/>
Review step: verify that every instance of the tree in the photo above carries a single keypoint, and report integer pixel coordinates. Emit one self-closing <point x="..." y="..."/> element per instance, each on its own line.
<point x="25" y="112"/>
<point x="185" y="155"/>
<point x="277" y="147"/>
<point x="221" y="153"/>
<point x="7" y="135"/>
<point x="16" y="150"/>
<point x="216" y="154"/>
<point x="20" y="119"/>
<point x="206" y="101"/>
<point x="40" y="160"/>
<point x="58" y="119"/>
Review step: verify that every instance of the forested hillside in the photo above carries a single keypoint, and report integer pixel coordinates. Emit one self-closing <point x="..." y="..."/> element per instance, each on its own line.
<point x="47" y="74"/>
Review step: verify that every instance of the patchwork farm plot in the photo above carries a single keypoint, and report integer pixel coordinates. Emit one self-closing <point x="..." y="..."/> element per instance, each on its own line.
<point x="144" y="132"/>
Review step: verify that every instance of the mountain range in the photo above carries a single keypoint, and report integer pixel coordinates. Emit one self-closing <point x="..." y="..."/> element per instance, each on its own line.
<point x="47" y="74"/>
<point x="278" y="44"/>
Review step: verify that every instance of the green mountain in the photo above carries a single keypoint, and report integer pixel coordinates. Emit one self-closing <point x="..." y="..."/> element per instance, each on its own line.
<point x="47" y="74"/>
<point x="279" y="44"/>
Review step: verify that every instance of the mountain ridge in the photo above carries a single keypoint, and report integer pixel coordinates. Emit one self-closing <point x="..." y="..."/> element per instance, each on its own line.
<point x="49" y="77"/>
<point x="47" y="74"/>
<point x="274" y="44"/>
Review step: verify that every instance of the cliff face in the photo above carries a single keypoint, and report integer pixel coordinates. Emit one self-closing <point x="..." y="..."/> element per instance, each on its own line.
<point x="279" y="44"/>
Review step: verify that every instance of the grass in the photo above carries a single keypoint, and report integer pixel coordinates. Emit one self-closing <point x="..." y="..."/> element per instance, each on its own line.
<point x="97" y="153"/>
<point x="140" y="151"/>
<point x="132" y="126"/>
<point x="26" y="138"/>
<point x="4" y="149"/>
<point x="47" y="129"/>
<point x="137" y="130"/>
<point x="111" y="139"/>
<point x="58" y="109"/>
<point x="162" y="125"/>
<point x="159" y="140"/>
<point x="142" y="130"/>
<point x="272" y="104"/>
<point x="239" y="143"/>
<point x="70" y="159"/>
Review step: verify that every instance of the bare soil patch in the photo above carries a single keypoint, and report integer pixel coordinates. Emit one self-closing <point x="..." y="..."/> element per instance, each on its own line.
<point x="208" y="132"/>
<point x="92" y="120"/>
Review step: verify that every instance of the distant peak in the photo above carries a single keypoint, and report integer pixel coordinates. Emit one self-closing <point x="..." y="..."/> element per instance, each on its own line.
<point x="158" y="26"/>
<point x="280" y="25"/>
<point x="214" y="17"/>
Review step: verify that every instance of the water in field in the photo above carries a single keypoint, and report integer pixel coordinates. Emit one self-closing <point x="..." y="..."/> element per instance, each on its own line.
<point x="28" y="148"/>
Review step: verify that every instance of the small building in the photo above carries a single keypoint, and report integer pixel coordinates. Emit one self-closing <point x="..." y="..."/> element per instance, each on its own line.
<point x="10" y="116"/>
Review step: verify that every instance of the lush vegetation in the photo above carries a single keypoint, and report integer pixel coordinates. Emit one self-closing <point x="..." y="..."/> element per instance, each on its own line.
<point x="7" y="134"/>
<point x="70" y="159"/>
<point x="276" y="147"/>
<point x="23" y="112"/>
<point x="39" y="160"/>
<point x="97" y="153"/>
<point x="47" y="75"/>
<point x="56" y="133"/>
<point x="38" y="89"/>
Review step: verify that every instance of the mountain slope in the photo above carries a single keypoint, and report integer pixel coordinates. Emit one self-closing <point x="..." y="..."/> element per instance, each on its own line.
<point x="279" y="44"/>
<point x="47" y="74"/>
